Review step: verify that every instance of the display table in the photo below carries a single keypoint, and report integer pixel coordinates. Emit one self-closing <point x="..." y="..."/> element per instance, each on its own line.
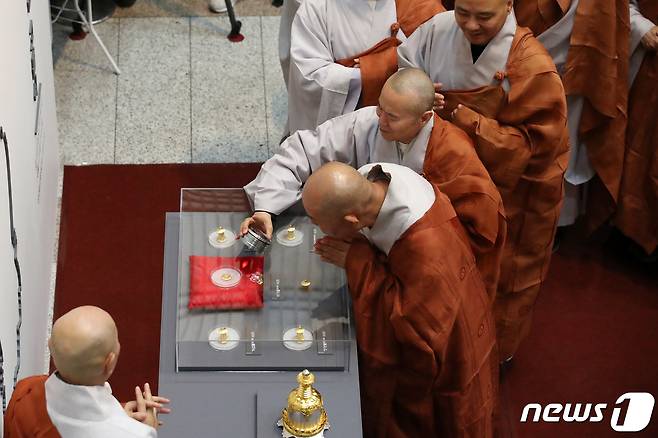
<point x="212" y="393"/>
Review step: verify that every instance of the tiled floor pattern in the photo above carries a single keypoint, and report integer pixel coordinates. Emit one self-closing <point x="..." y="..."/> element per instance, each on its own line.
<point x="194" y="8"/>
<point x="186" y="94"/>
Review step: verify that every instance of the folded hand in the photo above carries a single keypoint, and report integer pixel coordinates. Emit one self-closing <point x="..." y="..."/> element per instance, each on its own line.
<point x="332" y="250"/>
<point x="146" y="407"/>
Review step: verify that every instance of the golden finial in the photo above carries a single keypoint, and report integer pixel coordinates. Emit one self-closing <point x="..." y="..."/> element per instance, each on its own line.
<point x="305" y="415"/>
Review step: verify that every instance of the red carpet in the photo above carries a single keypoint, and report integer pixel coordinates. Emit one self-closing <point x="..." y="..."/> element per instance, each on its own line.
<point x="595" y="333"/>
<point x="594" y="338"/>
<point x="111" y="249"/>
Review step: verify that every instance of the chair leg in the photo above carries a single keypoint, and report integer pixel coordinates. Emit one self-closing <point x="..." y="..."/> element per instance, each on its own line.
<point x="88" y="22"/>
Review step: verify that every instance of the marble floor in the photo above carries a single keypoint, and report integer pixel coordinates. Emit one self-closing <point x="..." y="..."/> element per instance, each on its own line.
<point x="185" y="94"/>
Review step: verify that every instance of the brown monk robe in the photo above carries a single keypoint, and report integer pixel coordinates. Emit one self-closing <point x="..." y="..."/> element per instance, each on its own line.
<point x="27" y="416"/>
<point x="379" y="62"/>
<point x="453" y="165"/>
<point x="524" y="146"/>
<point x="597" y="69"/>
<point x="520" y="134"/>
<point x="425" y="332"/>
<point x="637" y="216"/>
<point x="539" y="15"/>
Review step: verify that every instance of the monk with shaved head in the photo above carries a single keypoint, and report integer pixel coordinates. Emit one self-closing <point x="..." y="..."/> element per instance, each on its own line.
<point x="401" y="129"/>
<point x="84" y="346"/>
<point x="76" y="400"/>
<point x="500" y="86"/>
<point x="425" y="331"/>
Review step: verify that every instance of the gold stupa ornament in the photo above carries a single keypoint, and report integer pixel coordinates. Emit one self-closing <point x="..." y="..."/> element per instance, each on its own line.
<point x="223" y="335"/>
<point x="305" y="415"/>
<point x="221" y="234"/>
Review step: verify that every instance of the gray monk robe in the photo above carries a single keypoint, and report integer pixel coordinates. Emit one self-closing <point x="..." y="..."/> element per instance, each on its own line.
<point x="327" y="35"/>
<point x="425" y="332"/>
<point x="442" y="152"/>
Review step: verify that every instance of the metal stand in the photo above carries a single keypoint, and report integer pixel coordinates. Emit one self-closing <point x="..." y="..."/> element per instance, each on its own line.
<point x="234" y="36"/>
<point x="87" y="21"/>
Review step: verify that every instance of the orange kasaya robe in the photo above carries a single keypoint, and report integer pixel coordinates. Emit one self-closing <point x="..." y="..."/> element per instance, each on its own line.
<point x="452" y="163"/>
<point x="522" y="139"/>
<point x="637" y="216"/>
<point x="380" y="61"/>
<point x="539" y="15"/>
<point x="425" y="333"/>
<point x="27" y="416"/>
<point x="597" y="69"/>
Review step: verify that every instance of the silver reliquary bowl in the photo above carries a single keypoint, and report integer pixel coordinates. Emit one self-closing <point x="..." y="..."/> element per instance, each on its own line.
<point x="256" y="240"/>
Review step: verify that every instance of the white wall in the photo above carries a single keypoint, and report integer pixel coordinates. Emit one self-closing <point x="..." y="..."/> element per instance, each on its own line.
<point x="34" y="166"/>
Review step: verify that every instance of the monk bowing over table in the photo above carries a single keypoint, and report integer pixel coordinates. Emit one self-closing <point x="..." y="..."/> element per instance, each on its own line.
<point x="402" y="129"/>
<point x="425" y="332"/>
<point x="501" y="87"/>
<point x="343" y="51"/>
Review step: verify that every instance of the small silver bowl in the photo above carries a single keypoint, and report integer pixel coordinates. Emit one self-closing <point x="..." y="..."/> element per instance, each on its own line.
<point x="256" y="241"/>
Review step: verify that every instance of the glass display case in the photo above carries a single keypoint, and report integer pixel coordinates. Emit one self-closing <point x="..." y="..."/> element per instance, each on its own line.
<point x="255" y="307"/>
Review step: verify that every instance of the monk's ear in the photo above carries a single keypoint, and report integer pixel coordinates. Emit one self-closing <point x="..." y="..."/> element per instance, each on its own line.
<point x="110" y="363"/>
<point x="351" y="218"/>
<point x="426" y="116"/>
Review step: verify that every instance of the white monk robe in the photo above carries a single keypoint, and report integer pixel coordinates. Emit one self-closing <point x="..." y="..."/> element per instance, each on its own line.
<point x="288" y="11"/>
<point x="353" y="139"/>
<point x="408" y="198"/>
<point x="90" y="411"/>
<point x="324" y="31"/>
<point x="640" y="25"/>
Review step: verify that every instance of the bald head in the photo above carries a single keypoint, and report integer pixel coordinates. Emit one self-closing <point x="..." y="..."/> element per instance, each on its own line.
<point x="84" y="345"/>
<point x="416" y="88"/>
<point x="335" y="190"/>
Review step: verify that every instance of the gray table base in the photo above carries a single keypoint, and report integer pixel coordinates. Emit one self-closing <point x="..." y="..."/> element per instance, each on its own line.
<point x="239" y="404"/>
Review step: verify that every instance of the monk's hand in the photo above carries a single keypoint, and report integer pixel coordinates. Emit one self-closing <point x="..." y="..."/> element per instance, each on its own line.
<point x="650" y="39"/>
<point x="260" y="220"/>
<point x="145" y="407"/>
<point x="439" y="99"/>
<point x="332" y="250"/>
<point x="132" y="409"/>
<point x="465" y="118"/>
<point x="157" y="403"/>
<point x="357" y="63"/>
